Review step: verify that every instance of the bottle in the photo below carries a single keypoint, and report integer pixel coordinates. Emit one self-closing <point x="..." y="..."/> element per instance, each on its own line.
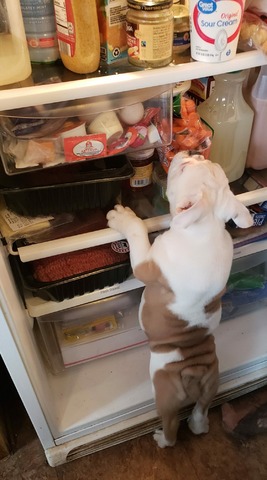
<point x="142" y="162"/>
<point x="14" y="55"/>
<point x="256" y="157"/>
<point x="230" y="117"/>
<point x="149" y="28"/>
<point x="78" y="34"/>
<point x="40" y="27"/>
<point x="181" y="29"/>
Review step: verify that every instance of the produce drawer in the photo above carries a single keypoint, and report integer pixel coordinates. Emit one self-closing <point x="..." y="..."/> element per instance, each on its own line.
<point x="91" y="331"/>
<point x="247" y="286"/>
<point x="43" y="136"/>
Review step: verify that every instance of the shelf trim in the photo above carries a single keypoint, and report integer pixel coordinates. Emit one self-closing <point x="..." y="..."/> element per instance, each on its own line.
<point x="122" y="82"/>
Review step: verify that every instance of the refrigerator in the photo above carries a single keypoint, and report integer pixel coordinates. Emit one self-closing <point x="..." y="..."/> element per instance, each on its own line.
<point x="108" y="400"/>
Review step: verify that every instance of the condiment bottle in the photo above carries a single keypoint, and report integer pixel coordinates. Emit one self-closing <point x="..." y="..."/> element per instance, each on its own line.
<point x="14" y="55"/>
<point x="230" y="117"/>
<point x="78" y="34"/>
<point x="257" y="152"/>
<point x="149" y="28"/>
<point x="181" y="29"/>
<point x="142" y="162"/>
<point x="40" y="27"/>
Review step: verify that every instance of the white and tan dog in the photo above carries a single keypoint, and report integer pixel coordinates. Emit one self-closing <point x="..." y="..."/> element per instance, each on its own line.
<point x="185" y="272"/>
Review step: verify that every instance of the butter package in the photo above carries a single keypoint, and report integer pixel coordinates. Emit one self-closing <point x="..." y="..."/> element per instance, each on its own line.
<point x="111" y="19"/>
<point x="201" y="88"/>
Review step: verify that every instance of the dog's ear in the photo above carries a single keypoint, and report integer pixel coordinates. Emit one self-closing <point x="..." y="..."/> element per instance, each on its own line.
<point x="189" y="210"/>
<point x="227" y="205"/>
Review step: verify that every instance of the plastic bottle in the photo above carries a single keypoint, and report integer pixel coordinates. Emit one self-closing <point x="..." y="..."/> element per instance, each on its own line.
<point x="40" y="27"/>
<point x="14" y="55"/>
<point x="257" y="152"/>
<point x="78" y="34"/>
<point x="230" y="117"/>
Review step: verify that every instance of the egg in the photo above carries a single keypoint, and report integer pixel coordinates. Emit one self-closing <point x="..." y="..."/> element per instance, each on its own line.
<point x="132" y="114"/>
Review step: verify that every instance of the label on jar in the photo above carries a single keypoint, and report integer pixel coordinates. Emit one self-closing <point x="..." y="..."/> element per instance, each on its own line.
<point x="149" y="42"/>
<point x="181" y="39"/>
<point x="142" y="176"/>
<point x="65" y="27"/>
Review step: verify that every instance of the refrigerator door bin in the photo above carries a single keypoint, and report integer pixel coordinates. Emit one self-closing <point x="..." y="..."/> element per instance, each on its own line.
<point x="48" y="135"/>
<point x="66" y="189"/>
<point x="104" y="327"/>
<point x="74" y="285"/>
<point x="247" y="286"/>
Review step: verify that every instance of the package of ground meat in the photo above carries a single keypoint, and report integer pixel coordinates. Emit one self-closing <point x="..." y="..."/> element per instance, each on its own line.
<point x="68" y="265"/>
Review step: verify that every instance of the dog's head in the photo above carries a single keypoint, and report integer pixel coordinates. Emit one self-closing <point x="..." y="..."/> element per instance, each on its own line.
<point x="197" y="187"/>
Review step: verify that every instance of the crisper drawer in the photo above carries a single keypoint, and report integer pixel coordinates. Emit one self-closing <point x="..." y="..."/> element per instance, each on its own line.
<point x="247" y="285"/>
<point x="91" y="331"/>
<point x="63" y="133"/>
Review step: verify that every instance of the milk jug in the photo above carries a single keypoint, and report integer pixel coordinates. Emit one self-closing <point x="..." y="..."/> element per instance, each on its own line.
<point x="15" y="64"/>
<point x="231" y="119"/>
<point x="257" y="152"/>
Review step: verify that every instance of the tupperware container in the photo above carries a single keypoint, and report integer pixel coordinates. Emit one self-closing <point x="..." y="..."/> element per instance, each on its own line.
<point x="66" y="189"/>
<point x="92" y="331"/>
<point x="45" y="136"/>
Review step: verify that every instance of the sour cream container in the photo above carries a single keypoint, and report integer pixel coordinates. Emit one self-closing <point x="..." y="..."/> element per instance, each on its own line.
<point x="215" y="28"/>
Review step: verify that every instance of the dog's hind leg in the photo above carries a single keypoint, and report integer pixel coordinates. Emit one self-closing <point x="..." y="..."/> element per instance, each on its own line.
<point x="198" y="422"/>
<point x="168" y="403"/>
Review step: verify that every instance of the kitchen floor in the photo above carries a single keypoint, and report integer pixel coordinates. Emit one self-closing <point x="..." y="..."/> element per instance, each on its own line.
<point x="219" y="455"/>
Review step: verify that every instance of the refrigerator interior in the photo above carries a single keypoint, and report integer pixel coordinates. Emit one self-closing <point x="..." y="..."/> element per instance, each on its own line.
<point x="103" y="402"/>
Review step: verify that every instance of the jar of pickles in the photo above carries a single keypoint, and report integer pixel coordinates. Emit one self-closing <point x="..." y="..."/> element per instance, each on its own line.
<point x="149" y="27"/>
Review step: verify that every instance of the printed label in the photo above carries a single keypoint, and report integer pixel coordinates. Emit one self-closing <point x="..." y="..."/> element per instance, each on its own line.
<point x="65" y="27"/>
<point x="215" y="28"/>
<point x="18" y="222"/>
<point x="149" y="42"/>
<point x="85" y="147"/>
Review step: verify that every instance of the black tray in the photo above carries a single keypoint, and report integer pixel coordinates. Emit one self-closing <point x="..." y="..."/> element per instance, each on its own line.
<point x="72" y="286"/>
<point x="67" y="188"/>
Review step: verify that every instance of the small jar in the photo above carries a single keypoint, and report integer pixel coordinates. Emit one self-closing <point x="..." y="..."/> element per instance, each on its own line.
<point x="149" y="28"/>
<point x="142" y="162"/>
<point x="181" y="29"/>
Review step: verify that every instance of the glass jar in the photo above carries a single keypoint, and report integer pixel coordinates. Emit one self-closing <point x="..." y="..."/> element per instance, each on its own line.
<point x="142" y="162"/>
<point x="149" y="28"/>
<point x="181" y="29"/>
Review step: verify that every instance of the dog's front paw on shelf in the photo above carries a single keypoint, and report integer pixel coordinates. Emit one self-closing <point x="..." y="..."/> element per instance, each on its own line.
<point x="122" y="219"/>
<point x="159" y="437"/>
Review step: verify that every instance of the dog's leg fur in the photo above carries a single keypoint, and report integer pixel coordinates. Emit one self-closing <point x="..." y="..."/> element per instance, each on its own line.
<point x="123" y="220"/>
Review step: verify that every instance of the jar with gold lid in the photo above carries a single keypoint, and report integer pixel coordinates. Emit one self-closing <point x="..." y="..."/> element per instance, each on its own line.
<point x="149" y="27"/>
<point x="181" y="34"/>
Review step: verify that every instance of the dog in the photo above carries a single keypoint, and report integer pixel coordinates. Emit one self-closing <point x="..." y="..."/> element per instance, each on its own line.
<point x="185" y="272"/>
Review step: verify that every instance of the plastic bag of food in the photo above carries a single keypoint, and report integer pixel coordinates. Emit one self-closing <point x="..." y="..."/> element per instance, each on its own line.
<point x="190" y="133"/>
<point x="253" y="33"/>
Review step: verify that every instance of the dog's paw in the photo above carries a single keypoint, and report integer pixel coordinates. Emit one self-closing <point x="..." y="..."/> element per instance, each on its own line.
<point x="198" y="425"/>
<point x="159" y="437"/>
<point x="125" y="221"/>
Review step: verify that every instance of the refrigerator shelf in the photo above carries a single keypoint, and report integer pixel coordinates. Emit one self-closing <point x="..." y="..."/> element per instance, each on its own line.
<point x="154" y="224"/>
<point x="77" y="86"/>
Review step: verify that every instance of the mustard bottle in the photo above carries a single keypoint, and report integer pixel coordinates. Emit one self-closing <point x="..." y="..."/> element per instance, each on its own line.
<point x="78" y="34"/>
